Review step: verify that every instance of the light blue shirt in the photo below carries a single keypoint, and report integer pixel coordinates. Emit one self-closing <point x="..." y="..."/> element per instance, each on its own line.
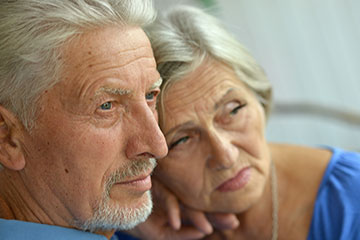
<point x="337" y="208"/>
<point x="16" y="230"/>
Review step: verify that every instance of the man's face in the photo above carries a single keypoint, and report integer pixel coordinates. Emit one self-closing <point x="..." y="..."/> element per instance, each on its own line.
<point x="88" y="156"/>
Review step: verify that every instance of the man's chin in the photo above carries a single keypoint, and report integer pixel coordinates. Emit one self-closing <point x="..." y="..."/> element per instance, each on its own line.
<point x="111" y="215"/>
<point x="119" y="195"/>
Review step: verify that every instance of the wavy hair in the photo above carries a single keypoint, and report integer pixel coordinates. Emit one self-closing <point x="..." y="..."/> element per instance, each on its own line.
<point x="184" y="37"/>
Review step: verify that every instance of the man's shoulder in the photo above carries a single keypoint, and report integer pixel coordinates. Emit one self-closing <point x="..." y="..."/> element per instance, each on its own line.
<point x="14" y="229"/>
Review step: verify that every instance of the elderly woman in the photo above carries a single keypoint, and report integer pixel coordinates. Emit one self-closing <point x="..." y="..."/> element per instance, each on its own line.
<point x="213" y="108"/>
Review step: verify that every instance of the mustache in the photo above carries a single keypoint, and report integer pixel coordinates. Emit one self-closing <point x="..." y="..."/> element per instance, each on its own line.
<point x="133" y="169"/>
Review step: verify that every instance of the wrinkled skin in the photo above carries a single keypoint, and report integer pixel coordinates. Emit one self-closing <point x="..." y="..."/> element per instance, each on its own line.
<point x="214" y="127"/>
<point x="99" y="119"/>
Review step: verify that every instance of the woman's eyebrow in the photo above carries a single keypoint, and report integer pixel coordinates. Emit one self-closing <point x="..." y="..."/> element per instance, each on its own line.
<point x="187" y="124"/>
<point x="190" y="123"/>
<point x="218" y="103"/>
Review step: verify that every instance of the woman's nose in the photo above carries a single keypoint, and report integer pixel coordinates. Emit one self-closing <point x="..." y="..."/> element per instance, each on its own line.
<point x="222" y="154"/>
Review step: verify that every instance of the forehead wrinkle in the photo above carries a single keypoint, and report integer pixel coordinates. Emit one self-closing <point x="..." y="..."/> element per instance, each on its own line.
<point x="95" y="55"/>
<point x="99" y="65"/>
<point x="77" y="78"/>
<point x="190" y="93"/>
<point x="103" y="72"/>
<point x="115" y="65"/>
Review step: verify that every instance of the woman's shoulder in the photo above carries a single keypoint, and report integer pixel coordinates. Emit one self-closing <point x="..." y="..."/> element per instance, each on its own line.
<point x="294" y="152"/>
<point x="330" y="167"/>
<point x="336" y="209"/>
<point x="343" y="173"/>
<point x="301" y="165"/>
<point x="332" y="177"/>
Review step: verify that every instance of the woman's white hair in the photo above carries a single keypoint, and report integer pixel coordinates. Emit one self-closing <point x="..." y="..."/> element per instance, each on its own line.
<point x="184" y="37"/>
<point x="32" y="32"/>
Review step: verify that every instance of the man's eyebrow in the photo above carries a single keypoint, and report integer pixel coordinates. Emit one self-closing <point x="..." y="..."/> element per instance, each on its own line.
<point x="114" y="91"/>
<point x="156" y="84"/>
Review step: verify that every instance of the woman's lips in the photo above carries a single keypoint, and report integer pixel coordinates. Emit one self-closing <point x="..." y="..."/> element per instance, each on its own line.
<point x="237" y="182"/>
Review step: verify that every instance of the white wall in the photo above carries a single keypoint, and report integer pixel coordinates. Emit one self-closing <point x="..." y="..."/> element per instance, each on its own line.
<point x="310" y="50"/>
<point x="164" y="4"/>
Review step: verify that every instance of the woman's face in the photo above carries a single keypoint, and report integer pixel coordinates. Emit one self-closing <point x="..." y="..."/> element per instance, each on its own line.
<point x="218" y="158"/>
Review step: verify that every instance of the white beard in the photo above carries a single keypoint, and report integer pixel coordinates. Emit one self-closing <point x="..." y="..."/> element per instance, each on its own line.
<point x="117" y="217"/>
<point x="121" y="218"/>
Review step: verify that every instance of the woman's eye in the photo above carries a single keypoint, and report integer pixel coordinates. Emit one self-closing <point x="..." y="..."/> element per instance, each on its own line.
<point x="179" y="141"/>
<point x="235" y="110"/>
<point x="151" y="95"/>
<point x="106" y="106"/>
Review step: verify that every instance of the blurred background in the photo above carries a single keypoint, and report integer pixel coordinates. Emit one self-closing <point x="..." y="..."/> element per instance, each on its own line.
<point x="310" y="51"/>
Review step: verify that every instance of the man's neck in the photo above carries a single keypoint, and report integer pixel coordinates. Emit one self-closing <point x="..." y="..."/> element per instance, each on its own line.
<point x="16" y="202"/>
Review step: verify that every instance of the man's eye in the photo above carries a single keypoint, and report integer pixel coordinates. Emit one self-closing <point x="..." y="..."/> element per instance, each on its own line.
<point x="106" y="106"/>
<point x="179" y="141"/>
<point x="151" y="95"/>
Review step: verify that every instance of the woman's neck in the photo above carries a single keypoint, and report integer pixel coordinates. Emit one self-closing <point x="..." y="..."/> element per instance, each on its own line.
<point x="299" y="173"/>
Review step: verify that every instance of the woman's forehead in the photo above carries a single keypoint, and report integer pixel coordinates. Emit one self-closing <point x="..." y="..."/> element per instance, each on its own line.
<point x="201" y="109"/>
<point x="207" y="83"/>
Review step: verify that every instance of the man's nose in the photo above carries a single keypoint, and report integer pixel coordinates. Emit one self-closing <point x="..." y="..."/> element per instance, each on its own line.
<point x="222" y="154"/>
<point x="146" y="138"/>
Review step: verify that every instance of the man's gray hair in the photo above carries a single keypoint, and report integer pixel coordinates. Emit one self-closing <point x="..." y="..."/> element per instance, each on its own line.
<point x="184" y="37"/>
<point x="33" y="31"/>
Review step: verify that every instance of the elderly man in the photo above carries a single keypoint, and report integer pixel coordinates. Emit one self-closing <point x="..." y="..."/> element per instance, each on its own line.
<point x="78" y="123"/>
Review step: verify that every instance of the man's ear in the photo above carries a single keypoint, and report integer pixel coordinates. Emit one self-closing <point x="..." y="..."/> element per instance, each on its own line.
<point x="11" y="154"/>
